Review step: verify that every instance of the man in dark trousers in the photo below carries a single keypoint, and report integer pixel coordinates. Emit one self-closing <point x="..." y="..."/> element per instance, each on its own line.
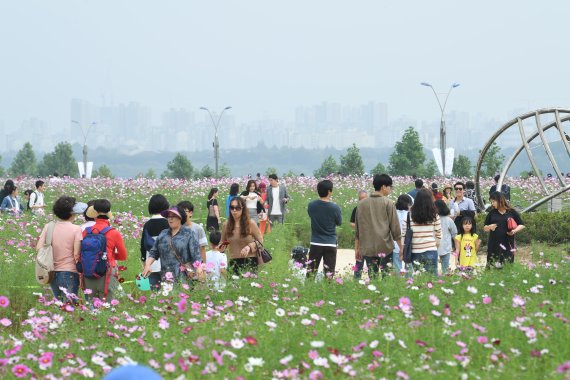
<point x="377" y="227"/>
<point x="325" y="217"/>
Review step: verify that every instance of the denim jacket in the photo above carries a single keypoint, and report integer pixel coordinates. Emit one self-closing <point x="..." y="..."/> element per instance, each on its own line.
<point x="8" y="203"/>
<point x="186" y="246"/>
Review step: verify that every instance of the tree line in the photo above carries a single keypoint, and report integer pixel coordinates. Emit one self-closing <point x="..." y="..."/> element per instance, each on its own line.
<point x="407" y="159"/>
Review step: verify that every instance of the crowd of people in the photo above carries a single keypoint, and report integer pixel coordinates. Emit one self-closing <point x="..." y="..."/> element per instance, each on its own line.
<point x="174" y="248"/>
<point x="442" y="226"/>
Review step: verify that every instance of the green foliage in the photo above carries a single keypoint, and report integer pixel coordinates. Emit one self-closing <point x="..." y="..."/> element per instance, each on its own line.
<point x="408" y="157"/>
<point x="270" y="170"/>
<point x="179" y="167"/>
<point x="224" y="171"/>
<point x="2" y="171"/>
<point x="24" y="162"/>
<point x="150" y="173"/>
<point x="462" y="166"/>
<point x="329" y="166"/>
<point x="430" y="170"/>
<point x="207" y="172"/>
<point x="493" y="161"/>
<point x="351" y="163"/>
<point x="103" y="171"/>
<point x="59" y="161"/>
<point x="290" y="173"/>
<point x="378" y="169"/>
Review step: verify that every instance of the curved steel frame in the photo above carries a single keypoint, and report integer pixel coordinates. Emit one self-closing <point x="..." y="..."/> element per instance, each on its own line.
<point x="557" y="123"/>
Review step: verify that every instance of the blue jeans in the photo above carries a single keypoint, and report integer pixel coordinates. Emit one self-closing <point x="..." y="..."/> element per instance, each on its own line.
<point x="428" y="259"/>
<point x="66" y="280"/>
<point x="445" y="263"/>
<point x="396" y="262"/>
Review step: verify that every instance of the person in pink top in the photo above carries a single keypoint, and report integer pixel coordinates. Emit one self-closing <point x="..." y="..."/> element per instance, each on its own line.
<point x="66" y="242"/>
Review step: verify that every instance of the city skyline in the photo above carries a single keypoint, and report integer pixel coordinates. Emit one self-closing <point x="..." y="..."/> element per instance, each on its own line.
<point x="265" y="59"/>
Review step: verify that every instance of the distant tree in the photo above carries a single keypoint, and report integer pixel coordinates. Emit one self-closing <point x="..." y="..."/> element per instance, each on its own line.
<point x="25" y="162"/>
<point x="329" y="166"/>
<point x="378" y="169"/>
<point x="179" y="167"/>
<point x="207" y="172"/>
<point x="103" y="171"/>
<point x="270" y="170"/>
<point x="224" y="171"/>
<point x="60" y="160"/>
<point x="2" y="171"/>
<point x="408" y="157"/>
<point x="493" y="161"/>
<point x="351" y="163"/>
<point x="150" y="174"/>
<point x="462" y="166"/>
<point x="430" y="170"/>
<point x="290" y="173"/>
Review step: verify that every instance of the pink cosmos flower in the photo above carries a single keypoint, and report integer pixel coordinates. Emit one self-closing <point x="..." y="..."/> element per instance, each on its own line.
<point x="5" y="322"/>
<point x="518" y="301"/>
<point x="564" y="367"/>
<point x="486" y="300"/>
<point x="4" y="302"/>
<point x="434" y="300"/>
<point x="313" y="354"/>
<point x="482" y="339"/>
<point x="21" y="370"/>
<point x="315" y="375"/>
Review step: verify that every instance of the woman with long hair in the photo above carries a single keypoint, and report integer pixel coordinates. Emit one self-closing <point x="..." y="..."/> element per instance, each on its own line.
<point x="252" y="200"/>
<point x="213" y="220"/>
<point x="426" y="227"/>
<point x="239" y="234"/>
<point x="501" y="246"/>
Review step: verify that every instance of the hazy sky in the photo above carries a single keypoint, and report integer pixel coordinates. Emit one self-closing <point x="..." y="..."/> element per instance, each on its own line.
<point x="264" y="58"/>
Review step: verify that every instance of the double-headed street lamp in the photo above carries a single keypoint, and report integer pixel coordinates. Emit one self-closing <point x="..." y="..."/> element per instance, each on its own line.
<point x="442" y="133"/>
<point x="85" y="132"/>
<point x="216" y="124"/>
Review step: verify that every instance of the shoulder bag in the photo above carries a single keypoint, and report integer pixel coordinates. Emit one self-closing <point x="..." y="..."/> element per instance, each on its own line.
<point x="44" y="258"/>
<point x="187" y="267"/>
<point x="263" y="255"/>
<point x="408" y="242"/>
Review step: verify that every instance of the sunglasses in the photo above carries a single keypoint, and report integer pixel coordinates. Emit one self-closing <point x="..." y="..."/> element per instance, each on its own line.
<point x="235" y="208"/>
<point x="459" y="188"/>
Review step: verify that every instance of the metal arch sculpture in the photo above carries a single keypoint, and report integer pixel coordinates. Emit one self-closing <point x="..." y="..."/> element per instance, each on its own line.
<point x="561" y="115"/>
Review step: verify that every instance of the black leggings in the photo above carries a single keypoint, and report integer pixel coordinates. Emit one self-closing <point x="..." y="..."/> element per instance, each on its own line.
<point x="238" y="266"/>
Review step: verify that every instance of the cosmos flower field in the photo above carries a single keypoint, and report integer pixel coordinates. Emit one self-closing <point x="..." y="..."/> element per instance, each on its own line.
<point x="500" y="324"/>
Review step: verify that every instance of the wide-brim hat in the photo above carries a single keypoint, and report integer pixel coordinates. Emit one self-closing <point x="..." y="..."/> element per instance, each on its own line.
<point x="172" y="210"/>
<point x="448" y="186"/>
<point x="92" y="213"/>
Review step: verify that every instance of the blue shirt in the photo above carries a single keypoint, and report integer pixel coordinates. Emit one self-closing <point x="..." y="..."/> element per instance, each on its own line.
<point x="325" y="216"/>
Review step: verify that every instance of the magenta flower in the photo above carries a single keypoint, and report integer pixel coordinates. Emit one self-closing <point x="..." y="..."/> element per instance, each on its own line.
<point x="5" y="322"/>
<point x="21" y="370"/>
<point x="482" y="339"/>
<point x="4" y="302"/>
<point x="564" y="367"/>
<point x="486" y="300"/>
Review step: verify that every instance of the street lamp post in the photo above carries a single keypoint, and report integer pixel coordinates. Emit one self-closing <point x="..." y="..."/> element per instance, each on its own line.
<point x="85" y="134"/>
<point x="216" y="143"/>
<point x="442" y="131"/>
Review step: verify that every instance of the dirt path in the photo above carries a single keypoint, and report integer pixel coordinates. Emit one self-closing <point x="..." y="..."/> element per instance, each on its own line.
<point x="345" y="260"/>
